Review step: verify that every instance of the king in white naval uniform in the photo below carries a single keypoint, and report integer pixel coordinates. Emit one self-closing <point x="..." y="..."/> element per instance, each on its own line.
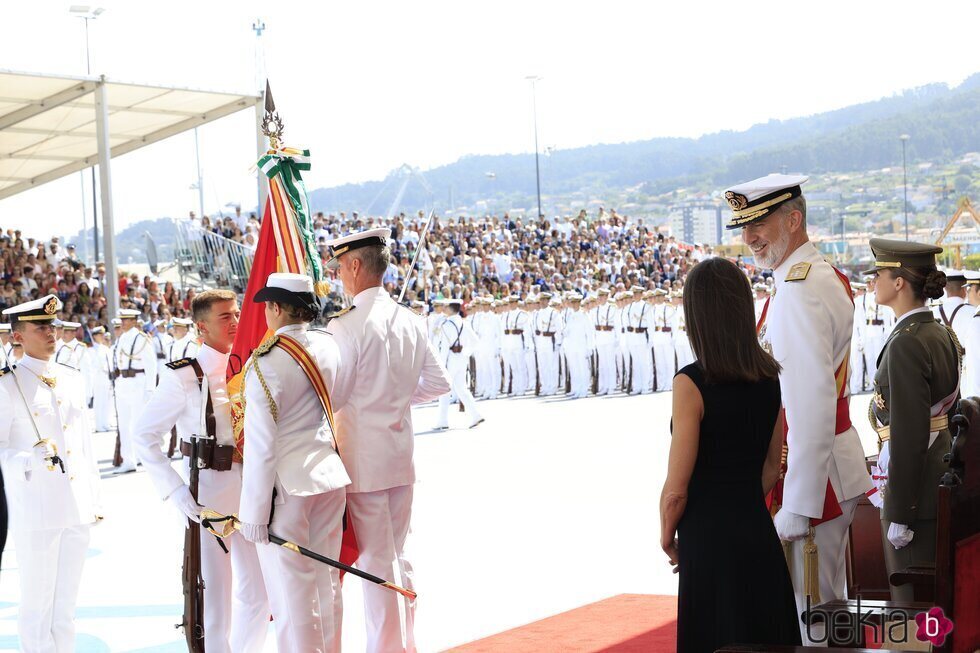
<point x="234" y="613"/>
<point x="52" y="485"/>
<point x="387" y="364"/>
<point x="291" y="466"/>
<point x="808" y="328"/>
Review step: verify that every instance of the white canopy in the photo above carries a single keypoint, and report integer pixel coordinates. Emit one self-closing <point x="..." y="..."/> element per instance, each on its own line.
<point x="53" y="125"/>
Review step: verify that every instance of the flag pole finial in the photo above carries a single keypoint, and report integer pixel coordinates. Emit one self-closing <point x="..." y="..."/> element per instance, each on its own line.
<point x="272" y="125"/>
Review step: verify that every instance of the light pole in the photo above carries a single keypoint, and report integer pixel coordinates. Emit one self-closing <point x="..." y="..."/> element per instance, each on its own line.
<point x="258" y="27"/>
<point x="534" y="79"/>
<point x="905" y="184"/>
<point x="88" y="13"/>
<point x="200" y="176"/>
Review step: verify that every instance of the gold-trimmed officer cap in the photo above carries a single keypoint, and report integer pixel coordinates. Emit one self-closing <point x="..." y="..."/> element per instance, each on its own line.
<point x="4" y="327"/>
<point x="377" y="237"/>
<point x="758" y="198"/>
<point x="44" y="309"/>
<point x="972" y="277"/>
<point x="901" y="254"/>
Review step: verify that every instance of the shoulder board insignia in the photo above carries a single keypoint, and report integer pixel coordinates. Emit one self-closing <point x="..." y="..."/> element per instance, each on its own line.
<point x="799" y="271"/>
<point x="266" y="346"/>
<point x="182" y="362"/>
<point x="340" y="312"/>
<point x="5" y="370"/>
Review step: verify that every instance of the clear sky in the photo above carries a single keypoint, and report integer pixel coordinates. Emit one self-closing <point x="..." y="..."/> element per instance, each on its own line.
<point x="367" y="86"/>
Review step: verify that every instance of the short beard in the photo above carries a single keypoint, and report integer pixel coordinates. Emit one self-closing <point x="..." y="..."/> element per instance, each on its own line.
<point x="775" y="252"/>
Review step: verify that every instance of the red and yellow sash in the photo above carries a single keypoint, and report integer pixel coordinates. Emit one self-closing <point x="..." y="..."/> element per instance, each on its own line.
<point x="309" y="366"/>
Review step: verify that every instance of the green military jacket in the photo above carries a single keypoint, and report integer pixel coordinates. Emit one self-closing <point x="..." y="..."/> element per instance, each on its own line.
<point x="919" y="366"/>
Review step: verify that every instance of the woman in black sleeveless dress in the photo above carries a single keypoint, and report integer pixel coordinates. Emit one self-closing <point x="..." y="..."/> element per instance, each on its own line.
<point x="724" y="458"/>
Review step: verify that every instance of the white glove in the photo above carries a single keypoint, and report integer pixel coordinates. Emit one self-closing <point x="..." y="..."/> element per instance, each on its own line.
<point x="41" y="455"/>
<point x="790" y="526"/>
<point x="181" y="499"/>
<point x="899" y="535"/>
<point x="255" y="533"/>
<point x="884" y="457"/>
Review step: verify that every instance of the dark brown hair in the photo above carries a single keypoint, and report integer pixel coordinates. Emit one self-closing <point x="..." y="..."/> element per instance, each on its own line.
<point x="926" y="282"/>
<point x="202" y="303"/>
<point x="720" y="317"/>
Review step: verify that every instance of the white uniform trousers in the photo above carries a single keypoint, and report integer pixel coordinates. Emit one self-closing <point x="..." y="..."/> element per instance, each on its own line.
<point x="547" y="365"/>
<point x="381" y="524"/>
<point x="456" y="366"/>
<point x="682" y="347"/>
<point x="246" y="607"/>
<point x="307" y="606"/>
<point x="578" y="369"/>
<point x="102" y="402"/>
<point x="50" y="563"/>
<point x="130" y="400"/>
<point x="515" y="371"/>
<point x="494" y="373"/>
<point x="607" y="356"/>
<point x="859" y="380"/>
<point x="483" y="359"/>
<point x="663" y="356"/>
<point x="642" y="379"/>
<point x="831" y="540"/>
<point x="532" y="368"/>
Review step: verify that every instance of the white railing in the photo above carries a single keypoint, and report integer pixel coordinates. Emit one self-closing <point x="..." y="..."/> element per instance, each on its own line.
<point x="215" y="260"/>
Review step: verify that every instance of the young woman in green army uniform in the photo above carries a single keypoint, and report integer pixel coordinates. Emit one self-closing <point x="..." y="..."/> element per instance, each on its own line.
<point x="916" y="385"/>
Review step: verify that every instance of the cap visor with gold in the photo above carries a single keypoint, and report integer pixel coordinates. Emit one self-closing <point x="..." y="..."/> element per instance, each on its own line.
<point x="44" y="309"/>
<point x="760" y="197"/>
<point x="891" y="254"/>
<point x="371" y="237"/>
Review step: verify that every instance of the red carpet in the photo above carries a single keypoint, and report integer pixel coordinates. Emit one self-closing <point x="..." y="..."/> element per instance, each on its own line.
<point x="621" y="624"/>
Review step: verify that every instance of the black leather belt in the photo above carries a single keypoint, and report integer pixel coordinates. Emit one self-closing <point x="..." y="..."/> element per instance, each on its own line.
<point x="212" y="456"/>
<point x="128" y="374"/>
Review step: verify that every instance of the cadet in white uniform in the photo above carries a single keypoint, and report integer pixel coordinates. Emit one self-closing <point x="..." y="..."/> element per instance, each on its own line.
<point x="291" y="465"/>
<point x="484" y="323"/>
<point x="185" y="343"/>
<point x="456" y="340"/>
<point x="516" y="340"/>
<point x="374" y="426"/>
<point x="548" y="329"/>
<point x="52" y="503"/>
<point x="161" y="341"/>
<point x="662" y="339"/>
<point x="578" y="342"/>
<point x="970" y="378"/>
<point x="71" y="352"/>
<point x="954" y="311"/>
<point x="233" y="620"/>
<point x="136" y="369"/>
<point x="5" y="343"/>
<point x="606" y="345"/>
<point x="878" y="323"/>
<point x="808" y="329"/>
<point x="859" y="376"/>
<point x="682" y="344"/>
<point x="99" y="369"/>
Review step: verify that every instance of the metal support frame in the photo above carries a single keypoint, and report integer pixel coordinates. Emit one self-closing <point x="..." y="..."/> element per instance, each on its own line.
<point x="260" y="149"/>
<point x="105" y="177"/>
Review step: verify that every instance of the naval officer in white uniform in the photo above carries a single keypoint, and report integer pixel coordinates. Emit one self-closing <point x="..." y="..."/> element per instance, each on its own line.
<point x="52" y="505"/>
<point x="234" y="619"/>
<point x="808" y="329"/>
<point x="387" y="364"/>
<point x="291" y="465"/>
<point x="136" y="370"/>
<point x="455" y="341"/>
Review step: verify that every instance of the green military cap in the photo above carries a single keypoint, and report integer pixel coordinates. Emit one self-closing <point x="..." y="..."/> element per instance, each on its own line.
<point x="902" y="254"/>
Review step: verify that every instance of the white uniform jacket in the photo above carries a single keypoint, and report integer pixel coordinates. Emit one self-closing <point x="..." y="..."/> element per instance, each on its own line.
<point x="809" y="326"/>
<point x="37" y="498"/>
<point x="387" y="364"/>
<point x="135" y="352"/>
<point x="178" y="401"/>
<point x="288" y="443"/>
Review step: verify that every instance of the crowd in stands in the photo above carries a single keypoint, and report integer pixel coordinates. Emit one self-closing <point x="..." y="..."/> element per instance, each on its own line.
<point x="464" y="257"/>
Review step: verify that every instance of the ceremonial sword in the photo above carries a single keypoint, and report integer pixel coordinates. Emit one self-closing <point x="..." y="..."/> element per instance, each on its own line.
<point x="210" y="519"/>
<point x="54" y="459"/>
<point x="415" y="258"/>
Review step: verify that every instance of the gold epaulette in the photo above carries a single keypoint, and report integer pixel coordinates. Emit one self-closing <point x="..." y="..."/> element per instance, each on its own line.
<point x="177" y="364"/>
<point x="343" y="311"/>
<point x="266" y="346"/>
<point x="799" y="271"/>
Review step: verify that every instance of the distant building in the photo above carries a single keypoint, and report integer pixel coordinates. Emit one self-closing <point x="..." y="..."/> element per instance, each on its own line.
<point x="697" y="223"/>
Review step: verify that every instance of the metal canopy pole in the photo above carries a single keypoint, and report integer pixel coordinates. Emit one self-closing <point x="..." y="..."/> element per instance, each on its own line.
<point x="260" y="148"/>
<point x="105" y="177"/>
